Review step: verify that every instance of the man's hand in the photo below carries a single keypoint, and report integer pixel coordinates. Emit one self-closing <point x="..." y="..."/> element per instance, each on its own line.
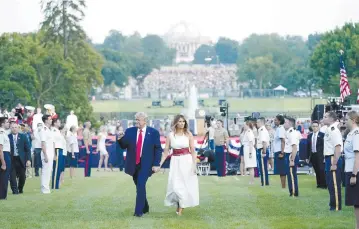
<point x="46" y="159"/>
<point x="353" y="181"/>
<point x="291" y="163"/>
<point x="88" y="151"/>
<point x="3" y="166"/>
<point x="120" y="135"/>
<point x="155" y="169"/>
<point x="333" y="168"/>
<point x="28" y="164"/>
<point x="264" y="155"/>
<point x="281" y="155"/>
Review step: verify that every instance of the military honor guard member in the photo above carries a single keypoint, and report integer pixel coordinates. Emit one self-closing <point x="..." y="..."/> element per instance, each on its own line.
<point x="351" y="150"/>
<point x="36" y="143"/>
<point x="58" y="158"/>
<point x="333" y="143"/>
<point x="291" y="156"/>
<point x="73" y="150"/>
<point x="63" y="131"/>
<point x="221" y="141"/>
<point x="87" y="136"/>
<point x="263" y="151"/>
<point x="47" y="154"/>
<point x="5" y="158"/>
<point x="278" y="147"/>
<point x="20" y="159"/>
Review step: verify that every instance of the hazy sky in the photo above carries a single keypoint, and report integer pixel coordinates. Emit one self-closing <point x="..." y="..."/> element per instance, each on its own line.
<point x="236" y="19"/>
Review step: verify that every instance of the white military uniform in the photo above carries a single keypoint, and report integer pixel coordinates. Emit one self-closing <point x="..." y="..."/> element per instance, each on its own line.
<point x="57" y="138"/>
<point x="332" y="138"/>
<point x="277" y="143"/>
<point x="46" y="136"/>
<point x="4" y="141"/>
<point x="36" y="120"/>
<point x="291" y="138"/>
<point x="263" y="136"/>
<point x="350" y="146"/>
<point x="36" y="143"/>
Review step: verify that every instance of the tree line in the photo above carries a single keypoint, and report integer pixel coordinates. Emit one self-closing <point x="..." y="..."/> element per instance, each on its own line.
<point x="60" y="65"/>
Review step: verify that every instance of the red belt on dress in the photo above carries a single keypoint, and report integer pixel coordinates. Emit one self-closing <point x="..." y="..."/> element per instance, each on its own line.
<point x="180" y="152"/>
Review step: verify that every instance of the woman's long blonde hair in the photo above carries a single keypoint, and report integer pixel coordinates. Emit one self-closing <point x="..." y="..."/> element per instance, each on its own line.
<point x="176" y="120"/>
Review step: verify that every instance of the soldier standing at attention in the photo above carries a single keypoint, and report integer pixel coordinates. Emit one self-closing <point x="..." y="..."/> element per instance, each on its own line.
<point x="291" y="156"/>
<point x="351" y="150"/>
<point x="333" y="143"/>
<point x="279" y="144"/>
<point x="87" y="136"/>
<point x="262" y="151"/>
<point x="5" y="158"/>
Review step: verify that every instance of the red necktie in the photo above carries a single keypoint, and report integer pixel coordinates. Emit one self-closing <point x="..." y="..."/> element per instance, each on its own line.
<point x="138" y="148"/>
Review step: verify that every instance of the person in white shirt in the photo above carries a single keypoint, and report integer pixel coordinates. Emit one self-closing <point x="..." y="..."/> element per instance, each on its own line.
<point x="63" y="131"/>
<point x="262" y="151"/>
<point x="291" y="156"/>
<point x="56" y="172"/>
<point x="279" y="144"/>
<point x="5" y="158"/>
<point x="270" y="147"/>
<point x="333" y="142"/>
<point x="36" y="144"/>
<point x="47" y="154"/>
<point x="101" y="148"/>
<point x="351" y="150"/>
<point x="73" y="150"/>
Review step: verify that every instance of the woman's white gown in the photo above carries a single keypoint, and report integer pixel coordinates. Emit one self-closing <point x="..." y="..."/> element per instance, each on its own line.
<point x="182" y="184"/>
<point x="248" y="142"/>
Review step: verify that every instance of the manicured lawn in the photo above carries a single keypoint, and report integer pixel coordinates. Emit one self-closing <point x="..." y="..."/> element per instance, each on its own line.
<point x="236" y="105"/>
<point x="106" y="200"/>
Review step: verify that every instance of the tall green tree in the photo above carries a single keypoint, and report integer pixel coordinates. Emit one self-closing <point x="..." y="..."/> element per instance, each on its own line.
<point x="62" y="21"/>
<point x="205" y="54"/>
<point x="227" y="50"/>
<point x="325" y="58"/>
<point x="115" y="41"/>
<point x="260" y="70"/>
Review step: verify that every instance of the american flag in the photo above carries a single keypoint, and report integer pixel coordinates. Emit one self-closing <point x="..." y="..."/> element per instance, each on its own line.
<point x="344" y="84"/>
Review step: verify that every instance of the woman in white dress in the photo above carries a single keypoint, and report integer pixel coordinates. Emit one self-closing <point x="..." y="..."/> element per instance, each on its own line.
<point x="182" y="187"/>
<point x="249" y="151"/>
<point x="101" y="148"/>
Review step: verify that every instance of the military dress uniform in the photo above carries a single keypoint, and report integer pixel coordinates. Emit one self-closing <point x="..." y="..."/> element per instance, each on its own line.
<point x="87" y="136"/>
<point x="58" y="159"/>
<point x="37" y="150"/>
<point x="46" y="136"/>
<point x="5" y="175"/>
<point x="351" y="147"/>
<point x="332" y="139"/>
<point x="279" y="162"/>
<point x="220" y="139"/>
<point x="291" y="139"/>
<point x="263" y="154"/>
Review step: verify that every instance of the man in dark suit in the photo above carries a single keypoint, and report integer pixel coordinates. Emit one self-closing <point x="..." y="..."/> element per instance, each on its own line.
<point x="143" y="157"/>
<point x="315" y="155"/>
<point x="20" y="158"/>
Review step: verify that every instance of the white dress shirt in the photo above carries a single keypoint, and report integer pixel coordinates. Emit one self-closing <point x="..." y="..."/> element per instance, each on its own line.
<point x="314" y="142"/>
<point x="143" y="136"/>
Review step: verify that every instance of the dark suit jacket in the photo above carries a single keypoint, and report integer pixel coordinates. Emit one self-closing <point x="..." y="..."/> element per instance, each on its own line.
<point x="23" y="147"/>
<point x="319" y="146"/>
<point x="151" y="150"/>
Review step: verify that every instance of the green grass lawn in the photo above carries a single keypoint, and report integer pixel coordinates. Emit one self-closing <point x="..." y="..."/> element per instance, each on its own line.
<point x="106" y="200"/>
<point x="236" y="105"/>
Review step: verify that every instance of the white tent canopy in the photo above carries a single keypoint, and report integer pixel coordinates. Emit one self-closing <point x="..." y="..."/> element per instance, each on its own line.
<point x="280" y="88"/>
